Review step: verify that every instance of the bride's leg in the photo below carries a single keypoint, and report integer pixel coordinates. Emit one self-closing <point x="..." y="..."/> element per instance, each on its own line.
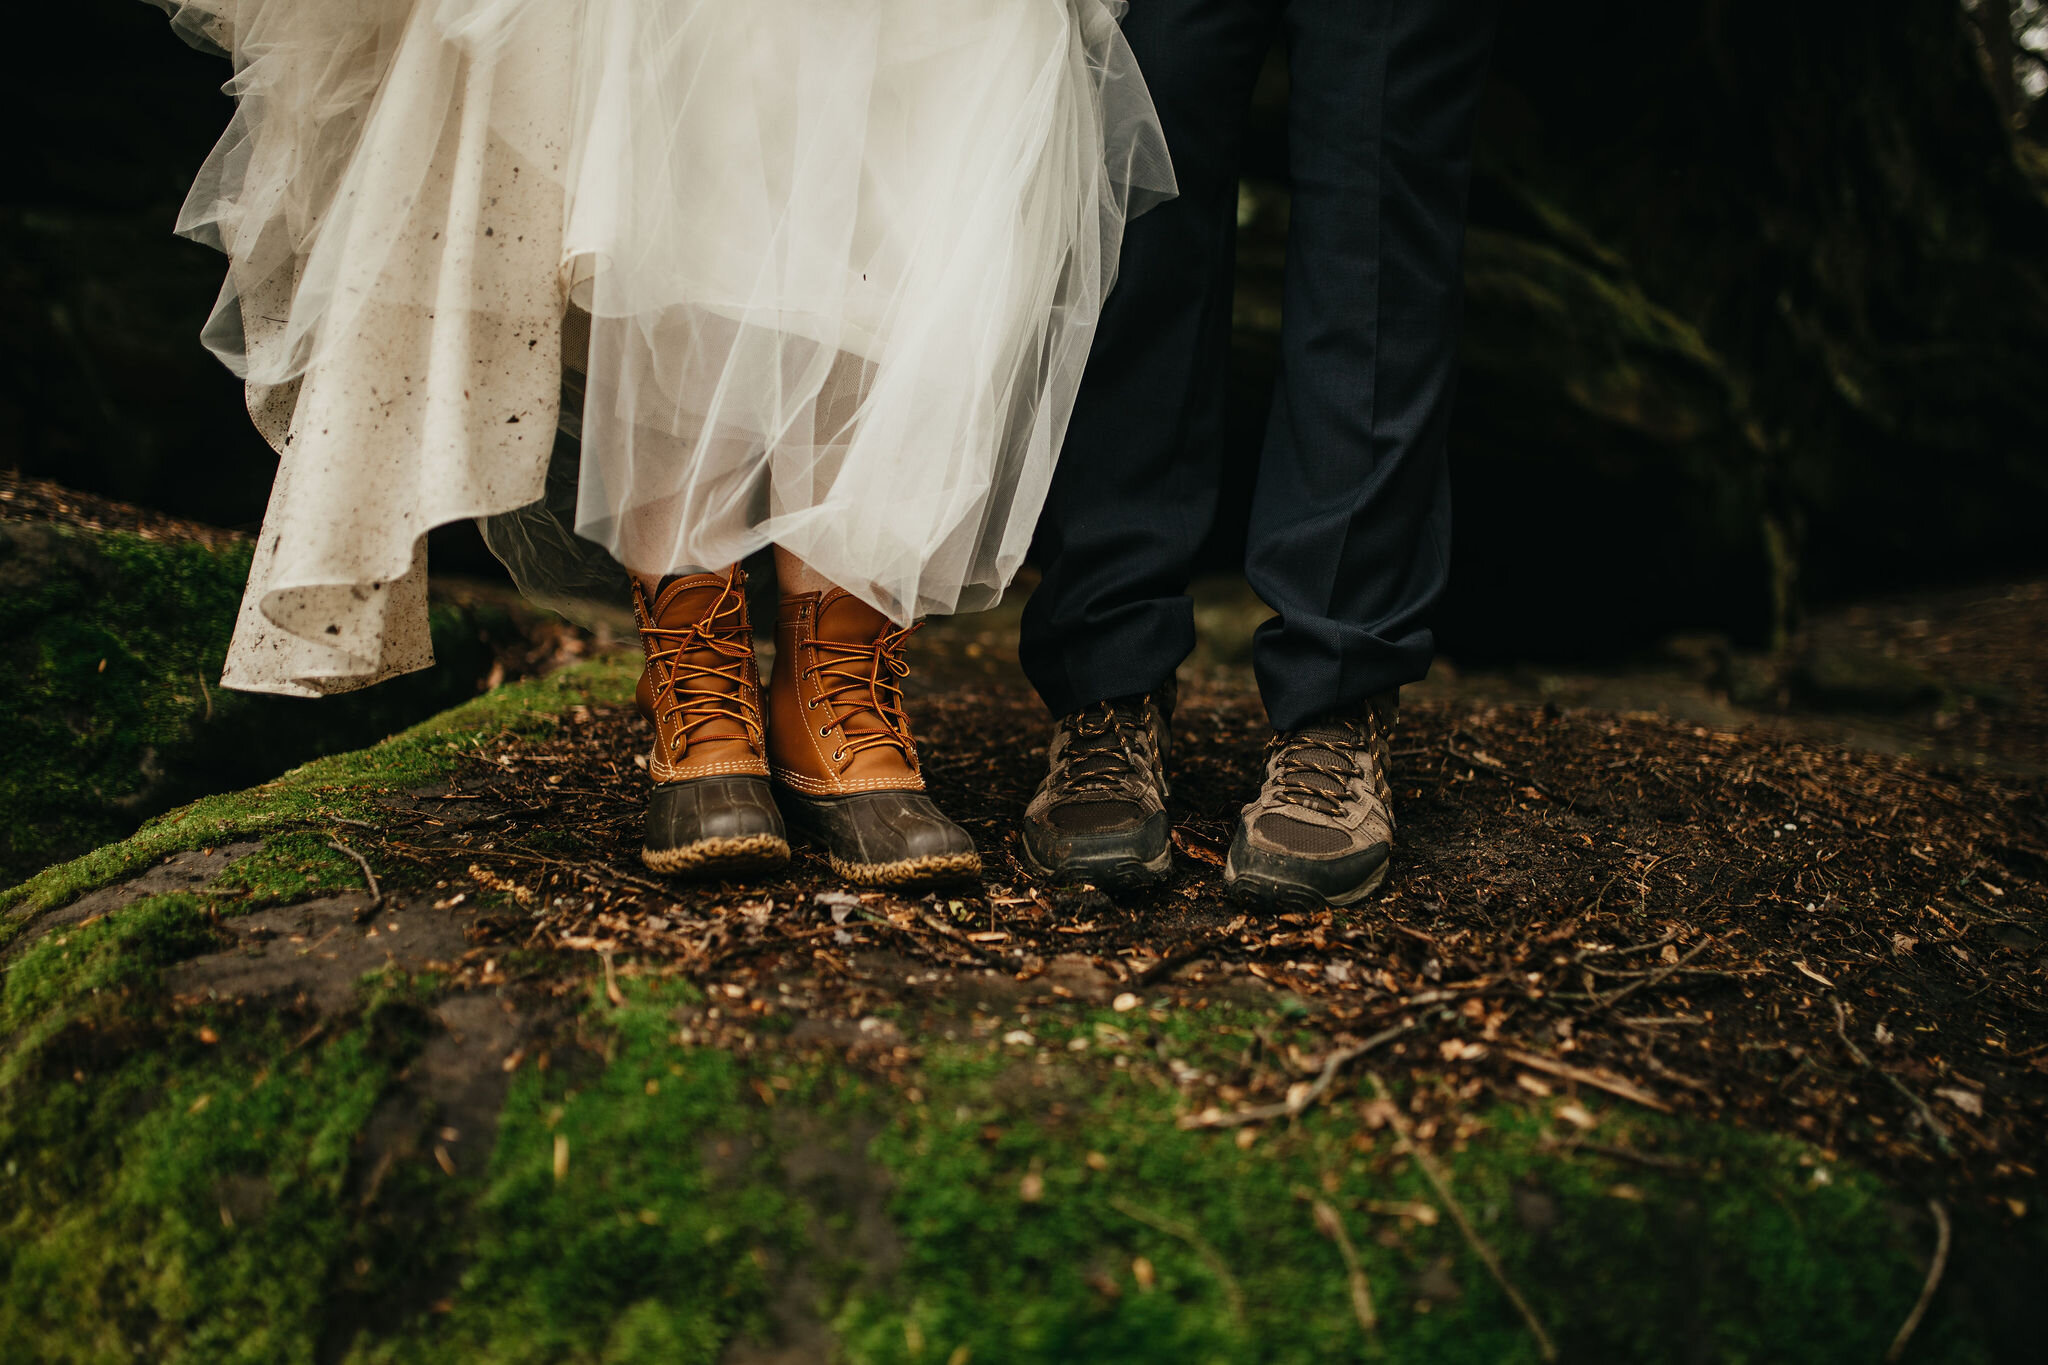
<point x="793" y="576"/>
<point x="839" y="744"/>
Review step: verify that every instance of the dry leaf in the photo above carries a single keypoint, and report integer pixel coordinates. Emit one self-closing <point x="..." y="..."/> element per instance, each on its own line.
<point x="1576" y="1114"/>
<point x="1969" y="1101"/>
<point x="1377" y="1113"/>
<point x="1810" y="972"/>
<point x="1424" y="1214"/>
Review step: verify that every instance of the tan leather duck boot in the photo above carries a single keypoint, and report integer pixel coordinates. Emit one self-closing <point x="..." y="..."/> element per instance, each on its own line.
<point x="846" y="769"/>
<point x="712" y="813"/>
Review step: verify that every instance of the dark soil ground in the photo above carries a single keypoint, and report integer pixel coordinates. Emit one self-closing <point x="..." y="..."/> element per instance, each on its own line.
<point x="1719" y="919"/>
<point x="1845" y="947"/>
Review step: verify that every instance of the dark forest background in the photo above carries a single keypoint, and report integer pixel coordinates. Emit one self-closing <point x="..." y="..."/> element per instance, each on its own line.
<point x="1758" y="307"/>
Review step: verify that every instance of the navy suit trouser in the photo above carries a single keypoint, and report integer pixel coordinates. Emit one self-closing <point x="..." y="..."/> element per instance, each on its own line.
<point x="1350" y="518"/>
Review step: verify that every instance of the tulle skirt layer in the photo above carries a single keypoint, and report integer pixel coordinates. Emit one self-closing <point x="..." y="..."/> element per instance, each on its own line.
<point x="831" y="270"/>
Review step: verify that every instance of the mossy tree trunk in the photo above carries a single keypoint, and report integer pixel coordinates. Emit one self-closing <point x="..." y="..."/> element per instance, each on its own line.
<point x="1837" y="207"/>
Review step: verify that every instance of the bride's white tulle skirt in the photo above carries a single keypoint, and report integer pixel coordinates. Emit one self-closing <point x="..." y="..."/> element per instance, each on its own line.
<point x="841" y="262"/>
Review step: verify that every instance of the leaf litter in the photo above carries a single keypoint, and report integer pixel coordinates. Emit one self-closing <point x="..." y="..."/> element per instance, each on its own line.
<point x="1759" y="906"/>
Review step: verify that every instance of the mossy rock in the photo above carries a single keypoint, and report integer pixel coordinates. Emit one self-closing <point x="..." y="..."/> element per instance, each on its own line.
<point x="555" y="1157"/>
<point x="110" y="711"/>
<point x="203" y="1184"/>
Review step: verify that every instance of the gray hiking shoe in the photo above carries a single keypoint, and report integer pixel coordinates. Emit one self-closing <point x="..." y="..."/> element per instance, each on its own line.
<point x="1100" y="814"/>
<point x="1322" y="827"/>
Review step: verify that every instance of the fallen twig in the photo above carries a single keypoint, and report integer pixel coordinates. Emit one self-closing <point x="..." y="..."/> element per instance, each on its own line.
<point x="749" y="946"/>
<point x="308" y="1036"/>
<point x="1678" y="1078"/>
<point x="1934" y="1125"/>
<point x="1405" y="1132"/>
<point x="1296" y="1102"/>
<point x="1187" y="952"/>
<point x="1613" y="1085"/>
<point x="376" y="893"/>
<point x="602" y="870"/>
<point x="1483" y="762"/>
<point x="959" y="940"/>
<point x="918" y="932"/>
<point x="1332" y="1227"/>
<point x="1641" y="1158"/>
<point x="1674" y="970"/>
<point x="589" y="872"/>
<point x="1940" y="1263"/>
<point x="1601" y="1006"/>
<point x="1182" y="1231"/>
<point x="1626" y="950"/>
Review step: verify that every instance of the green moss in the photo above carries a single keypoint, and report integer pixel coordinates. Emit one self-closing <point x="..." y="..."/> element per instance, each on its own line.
<point x="1748" y="1257"/>
<point x="175" y="1185"/>
<point x="343" y="786"/>
<point x="111" y="957"/>
<point x="190" y="1198"/>
<point x="113" y="645"/>
<point x="109" y="711"/>
<point x="289" y="868"/>
<point x="652" y="1243"/>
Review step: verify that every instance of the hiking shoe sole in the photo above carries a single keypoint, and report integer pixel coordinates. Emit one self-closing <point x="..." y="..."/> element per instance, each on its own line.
<point x="1270" y="889"/>
<point x="1113" y="870"/>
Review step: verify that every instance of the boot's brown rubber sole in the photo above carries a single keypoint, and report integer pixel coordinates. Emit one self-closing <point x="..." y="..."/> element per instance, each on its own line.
<point x="719" y="857"/>
<point x="938" y="867"/>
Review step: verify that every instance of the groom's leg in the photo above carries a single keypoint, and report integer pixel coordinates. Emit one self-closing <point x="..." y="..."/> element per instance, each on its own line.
<point x="1135" y="490"/>
<point x="1350" y="533"/>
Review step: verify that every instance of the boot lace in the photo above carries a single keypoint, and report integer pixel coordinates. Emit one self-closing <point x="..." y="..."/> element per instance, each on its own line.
<point x="697" y="692"/>
<point x="1314" y="770"/>
<point x="865" y="679"/>
<point x="1100" y="752"/>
